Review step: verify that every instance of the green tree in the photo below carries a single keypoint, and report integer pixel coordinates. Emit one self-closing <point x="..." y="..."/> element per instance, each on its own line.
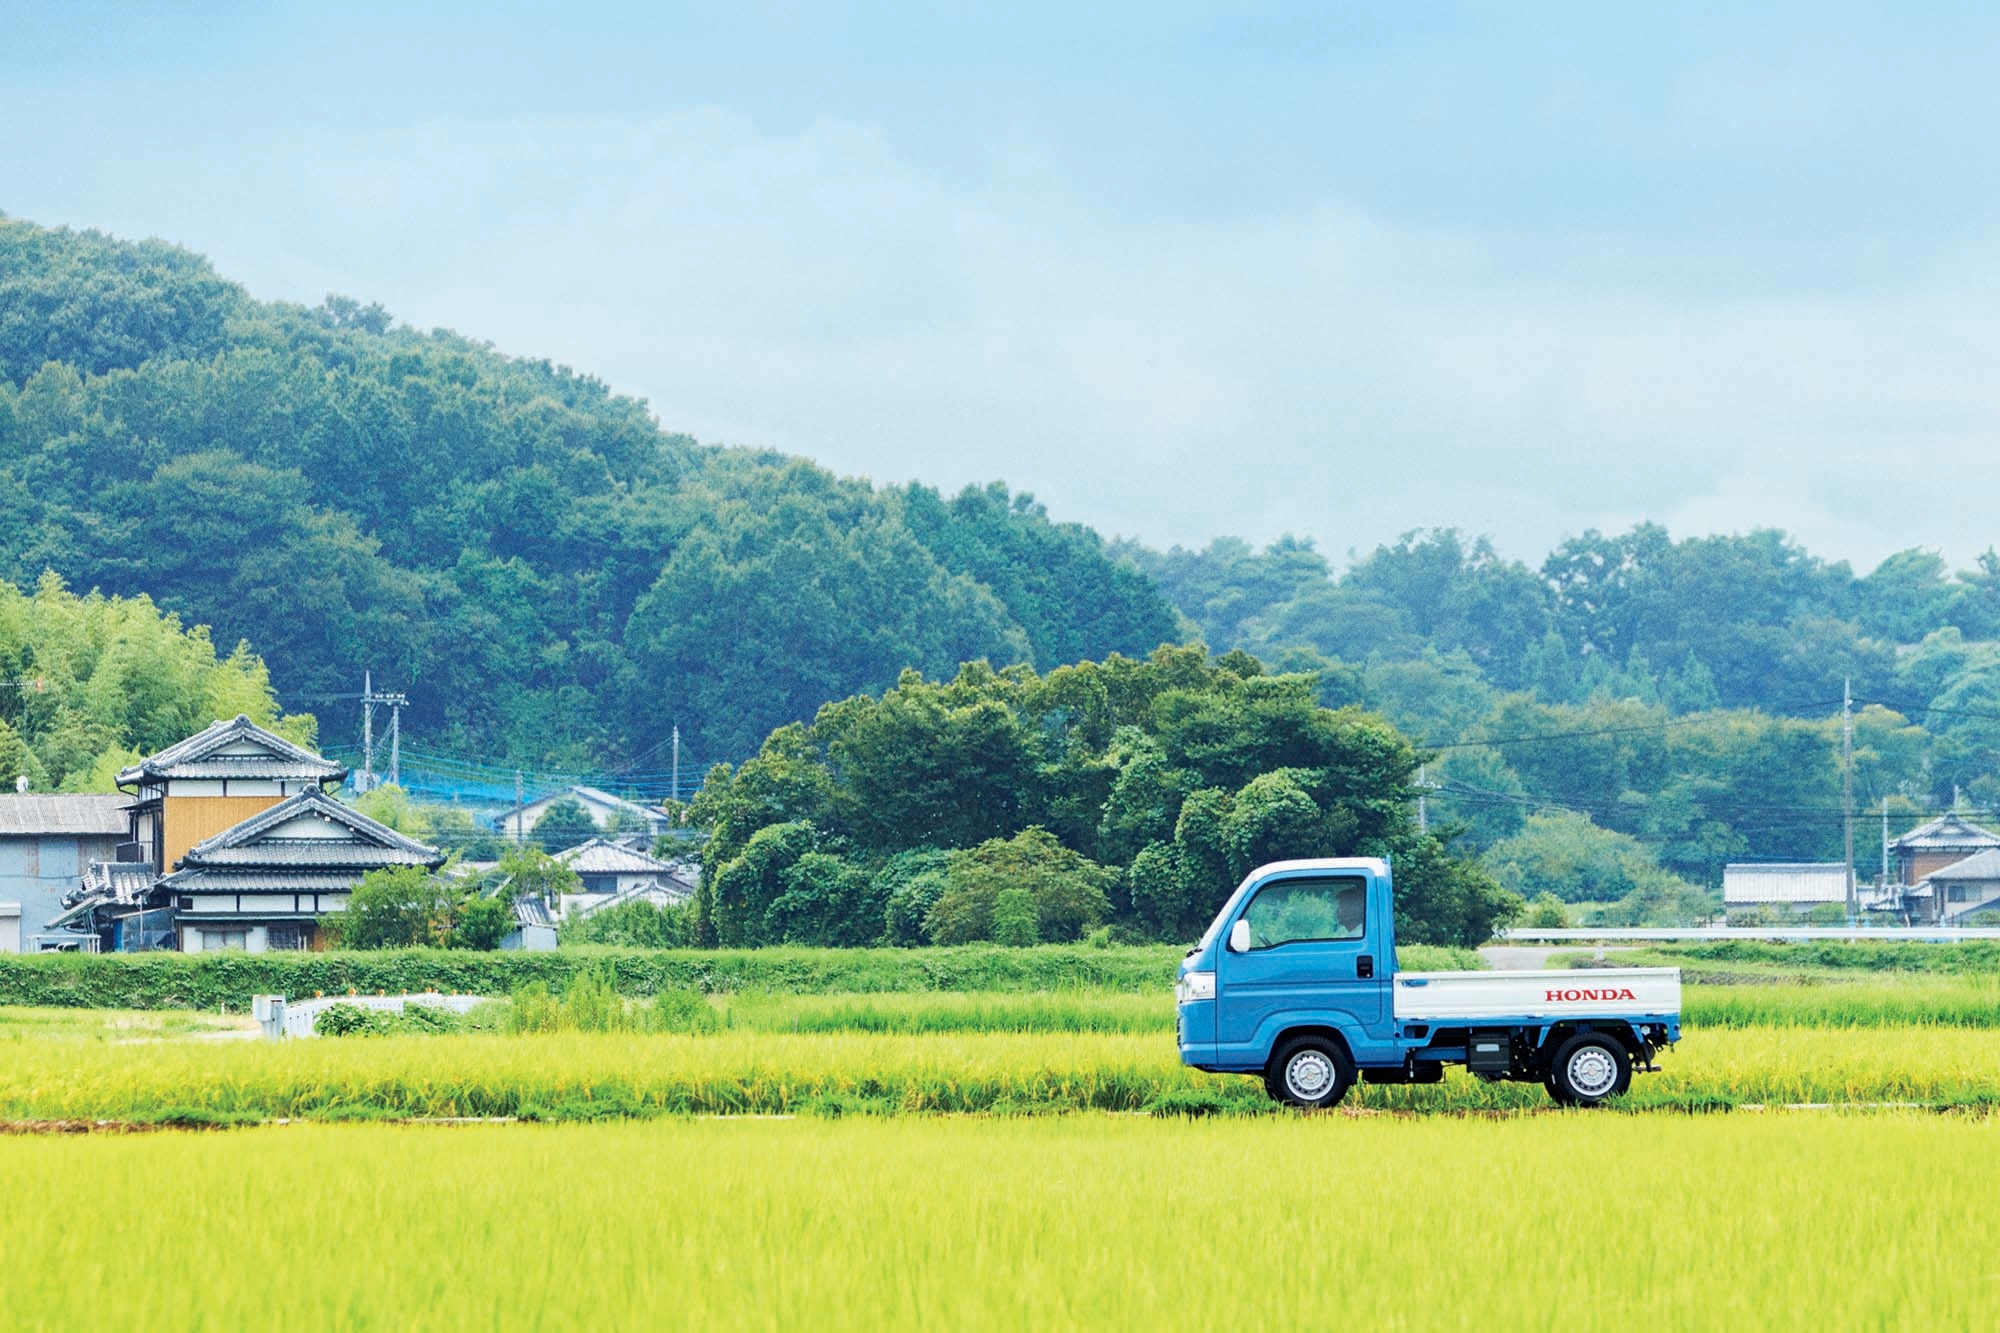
<point x="1014" y="918"/>
<point x="1066" y="889"/>
<point x="563" y="824"/>
<point x="396" y="907"/>
<point x="480" y="922"/>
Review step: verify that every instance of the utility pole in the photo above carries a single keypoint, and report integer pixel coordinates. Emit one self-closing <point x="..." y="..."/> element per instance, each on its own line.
<point x="367" y="730"/>
<point x="1884" y="883"/>
<point x="519" y="800"/>
<point x="1847" y="792"/>
<point x="677" y="761"/>
<point x="395" y="703"/>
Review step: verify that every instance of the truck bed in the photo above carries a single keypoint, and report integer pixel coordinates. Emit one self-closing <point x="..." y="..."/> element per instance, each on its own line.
<point x="1611" y="992"/>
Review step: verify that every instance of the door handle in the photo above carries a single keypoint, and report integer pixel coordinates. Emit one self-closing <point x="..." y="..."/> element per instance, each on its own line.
<point x="1364" y="967"/>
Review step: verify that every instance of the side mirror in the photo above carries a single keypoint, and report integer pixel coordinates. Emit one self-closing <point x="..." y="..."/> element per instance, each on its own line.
<point x="1239" y="936"/>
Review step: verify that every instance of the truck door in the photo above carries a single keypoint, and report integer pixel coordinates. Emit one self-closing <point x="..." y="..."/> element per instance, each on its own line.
<point x="1309" y="951"/>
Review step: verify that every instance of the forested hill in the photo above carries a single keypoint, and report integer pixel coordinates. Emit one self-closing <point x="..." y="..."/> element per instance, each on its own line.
<point x="1637" y="708"/>
<point x="552" y="578"/>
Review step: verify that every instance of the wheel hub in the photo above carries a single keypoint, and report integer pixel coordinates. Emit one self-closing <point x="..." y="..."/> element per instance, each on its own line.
<point x="1308" y="1075"/>
<point x="1592" y="1072"/>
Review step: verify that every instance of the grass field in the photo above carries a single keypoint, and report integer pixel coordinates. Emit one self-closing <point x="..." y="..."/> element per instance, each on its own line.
<point x="1859" y="1221"/>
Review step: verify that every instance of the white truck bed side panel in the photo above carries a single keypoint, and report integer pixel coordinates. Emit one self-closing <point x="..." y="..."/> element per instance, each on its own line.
<point x="1612" y="992"/>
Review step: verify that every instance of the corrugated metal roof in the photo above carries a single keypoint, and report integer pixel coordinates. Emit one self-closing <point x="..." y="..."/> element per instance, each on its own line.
<point x="1984" y="865"/>
<point x="196" y="757"/>
<point x="1947" y="833"/>
<point x="1784" y="882"/>
<point x="79" y="815"/>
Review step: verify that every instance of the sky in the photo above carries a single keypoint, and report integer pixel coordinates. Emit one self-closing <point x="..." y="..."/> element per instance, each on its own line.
<point x="1340" y="271"/>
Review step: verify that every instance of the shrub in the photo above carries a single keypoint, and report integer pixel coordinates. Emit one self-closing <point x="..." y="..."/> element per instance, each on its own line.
<point x="346" y="1020"/>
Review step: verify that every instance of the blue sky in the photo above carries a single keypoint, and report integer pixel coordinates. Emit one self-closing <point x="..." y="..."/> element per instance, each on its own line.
<point x="1178" y="270"/>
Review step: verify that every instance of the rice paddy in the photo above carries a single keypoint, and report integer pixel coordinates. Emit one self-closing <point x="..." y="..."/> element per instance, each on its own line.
<point x="1811" y="1153"/>
<point x="737" y="1071"/>
<point x="1676" y="1222"/>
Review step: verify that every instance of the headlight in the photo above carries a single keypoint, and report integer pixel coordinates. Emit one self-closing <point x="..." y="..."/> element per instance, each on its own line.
<point x="1195" y="986"/>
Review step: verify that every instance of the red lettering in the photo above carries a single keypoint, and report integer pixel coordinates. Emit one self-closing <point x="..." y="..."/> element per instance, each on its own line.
<point x="1573" y="996"/>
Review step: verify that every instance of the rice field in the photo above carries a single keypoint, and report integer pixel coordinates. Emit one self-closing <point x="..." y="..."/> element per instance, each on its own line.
<point x="734" y="1072"/>
<point x="1859" y="1221"/>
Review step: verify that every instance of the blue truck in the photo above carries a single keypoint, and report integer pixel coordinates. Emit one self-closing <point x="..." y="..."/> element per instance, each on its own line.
<point x="1296" y="980"/>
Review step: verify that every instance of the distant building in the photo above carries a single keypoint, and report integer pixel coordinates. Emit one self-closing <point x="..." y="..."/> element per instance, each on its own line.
<point x="264" y="883"/>
<point x="1795" y="886"/>
<point x="1944" y="870"/>
<point x="214" y="779"/>
<point x="232" y="843"/>
<point x="1944" y="841"/>
<point x="604" y="809"/>
<point x="1965" y="887"/>
<point x="613" y="874"/>
<point x="47" y="844"/>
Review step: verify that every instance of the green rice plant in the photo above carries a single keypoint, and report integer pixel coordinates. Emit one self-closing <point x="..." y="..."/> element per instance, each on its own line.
<point x="1909" y="1001"/>
<point x="858" y="1221"/>
<point x="734" y="1071"/>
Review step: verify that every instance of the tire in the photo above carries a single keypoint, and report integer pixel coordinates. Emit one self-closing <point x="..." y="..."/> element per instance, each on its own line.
<point x="1310" y="1073"/>
<point x="1589" y="1069"/>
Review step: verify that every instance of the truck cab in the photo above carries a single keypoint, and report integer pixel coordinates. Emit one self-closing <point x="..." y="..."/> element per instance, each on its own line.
<point x="1296" y="979"/>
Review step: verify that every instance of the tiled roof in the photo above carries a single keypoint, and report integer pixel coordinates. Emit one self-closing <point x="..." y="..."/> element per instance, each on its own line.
<point x="601" y="857"/>
<point x="197" y="757"/>
<point x="1947" y="833"/>
<point x="278" y="879"/>
<point x="112" y="884"/>
<point x="84" y="816"/>
<point x="255" y="842"/>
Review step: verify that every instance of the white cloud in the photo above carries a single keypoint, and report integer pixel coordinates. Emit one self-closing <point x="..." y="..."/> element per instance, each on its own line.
<point x="1316" y="371"/>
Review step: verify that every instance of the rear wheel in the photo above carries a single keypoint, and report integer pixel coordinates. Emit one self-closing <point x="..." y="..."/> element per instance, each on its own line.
<point x="1589" y="1068"/>
<point x="1309" y="1072"/>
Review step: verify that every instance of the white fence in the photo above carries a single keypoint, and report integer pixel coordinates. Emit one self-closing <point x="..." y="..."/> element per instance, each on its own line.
<point x="1780" y="934"/>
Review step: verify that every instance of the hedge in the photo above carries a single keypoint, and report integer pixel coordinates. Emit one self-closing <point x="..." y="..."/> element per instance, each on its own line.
<point x="209" y="980"/>
<point x="206" y="981"/>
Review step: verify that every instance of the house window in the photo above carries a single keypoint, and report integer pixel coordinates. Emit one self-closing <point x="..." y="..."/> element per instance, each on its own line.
<point x="291" y="935"/>
<point x="224" y="939"/>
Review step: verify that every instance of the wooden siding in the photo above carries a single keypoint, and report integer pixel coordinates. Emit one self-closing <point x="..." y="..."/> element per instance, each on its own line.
<point x="188" y="820"/>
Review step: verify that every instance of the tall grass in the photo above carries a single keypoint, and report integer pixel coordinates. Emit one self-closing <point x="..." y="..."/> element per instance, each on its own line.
<point x="1741" y="1222"/>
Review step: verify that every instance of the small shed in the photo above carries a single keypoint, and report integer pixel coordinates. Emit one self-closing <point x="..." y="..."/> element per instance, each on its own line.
<point x="46" y="844"/>
<point x="1796" y="886"/>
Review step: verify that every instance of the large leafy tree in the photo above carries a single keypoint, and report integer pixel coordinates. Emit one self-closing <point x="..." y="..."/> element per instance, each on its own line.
<point x="1144" y="789"/>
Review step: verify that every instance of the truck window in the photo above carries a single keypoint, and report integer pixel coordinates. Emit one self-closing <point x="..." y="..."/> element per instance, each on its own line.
<point x="1293" y="910"/>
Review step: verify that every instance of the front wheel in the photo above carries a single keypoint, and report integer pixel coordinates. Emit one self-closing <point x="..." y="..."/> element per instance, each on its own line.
<point x="1309" y="1072"/>
<point x="1589" y="1068"/>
